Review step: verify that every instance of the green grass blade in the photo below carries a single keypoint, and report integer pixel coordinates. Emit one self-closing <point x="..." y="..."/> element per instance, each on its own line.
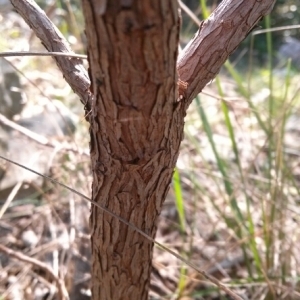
<point x="250" y="223"/>
<point x="204" y="9"/>
<point x="179" y="199"/>
<point x="239" y="80"/>
<point x="182" y="281"/>
<point x="220" y="162"/>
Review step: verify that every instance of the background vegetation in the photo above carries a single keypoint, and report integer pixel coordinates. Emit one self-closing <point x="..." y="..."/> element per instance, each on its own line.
<point x="233" y="209"/>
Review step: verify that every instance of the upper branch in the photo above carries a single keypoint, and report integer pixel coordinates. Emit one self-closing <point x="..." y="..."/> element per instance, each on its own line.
<point x="198" y="63"/>
<point x="72" y="68"/>
<point x="216" y="39"/>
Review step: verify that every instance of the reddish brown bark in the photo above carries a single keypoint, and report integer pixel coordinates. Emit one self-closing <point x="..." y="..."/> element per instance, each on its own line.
<point x="216" y="39"/>
<point x="135" y="135"/>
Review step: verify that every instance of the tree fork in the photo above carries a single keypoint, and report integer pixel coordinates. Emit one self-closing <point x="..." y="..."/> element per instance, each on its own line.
<point x="137" y="115"/>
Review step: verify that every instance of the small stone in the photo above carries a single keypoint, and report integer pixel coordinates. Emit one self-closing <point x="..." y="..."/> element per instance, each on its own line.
<point x="29" y="238"/>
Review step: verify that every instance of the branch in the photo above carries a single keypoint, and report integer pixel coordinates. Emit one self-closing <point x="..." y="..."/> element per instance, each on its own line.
<point x="198" y="63"/>
<point x="72" y="68"/>
<point x="216" y="39"/>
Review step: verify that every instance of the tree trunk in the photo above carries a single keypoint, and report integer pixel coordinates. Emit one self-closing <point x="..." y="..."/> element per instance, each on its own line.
<point x="135" y="135"/>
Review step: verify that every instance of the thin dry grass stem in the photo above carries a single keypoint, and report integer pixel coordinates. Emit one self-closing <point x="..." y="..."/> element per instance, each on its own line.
<point x="40" y="139"/>
<point x="190" y="13"/>
<point x="54" y="237"/>
<point x="72" y="208"/>
<point x="50" y="205"/>
<point x="64" y="256"/>
<point x="10" y="198"/>
<point x="63" y="294"/>
<point x="67" y="254"/>
<point x="38" y="53"/>
<point x="187" y="262"/>
<point x="226" y="99"/>
<point x="50" y="246"/>
<point x="50" y="286"/>
<point x="32" y="135"/>
<point x="274" y="29"/>
<point x="10" y="291"/>
<point x="288" y="290"/>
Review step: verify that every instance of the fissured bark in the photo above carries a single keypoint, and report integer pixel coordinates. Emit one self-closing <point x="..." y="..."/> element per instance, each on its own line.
<point x="136" y="130"/>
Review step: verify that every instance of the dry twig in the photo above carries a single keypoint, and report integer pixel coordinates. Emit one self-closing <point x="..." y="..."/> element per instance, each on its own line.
<point x="62" y="292"/>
